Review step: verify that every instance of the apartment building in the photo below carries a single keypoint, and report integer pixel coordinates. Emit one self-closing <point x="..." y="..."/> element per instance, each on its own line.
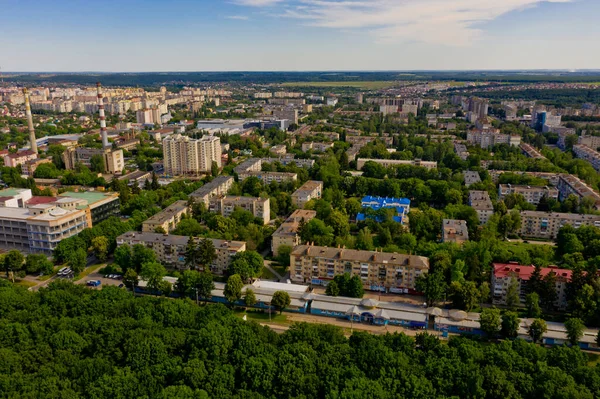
<point x="532" y="194"/>
<point x="269" y="177"/>
<point x="378" y="270"/>
<point x="570" y="184"/>
<point x="471" y="177"/>
<point x="481" y="202"/>
<point x="316" y="147"/>
<point x="310" y="190"/>
<point x="455" y="231"/>
<point x="590" y="141"/>
<point x="487" y="139"/>
<point x="170" y="249"/>
<point x="18" y="158"/>
<point x="503" y="274"/>
<point x="28" y="168"/>
<point x="288" y="113"/>
<point x="167" y="219"/>
<point x="287" y="232"/>
<point x="546" y="225"/>
<point x="461" y="150"/>
<point x="280" y="149"/>
<point x="183" y="155"/>
<point x="113" y="159"/>
<point x="217" y="187"/>
<point x="259" y="207"/>
<point x="585" y="152"/>
<point x="531" y="151"/>
<point x="388" y="163"/>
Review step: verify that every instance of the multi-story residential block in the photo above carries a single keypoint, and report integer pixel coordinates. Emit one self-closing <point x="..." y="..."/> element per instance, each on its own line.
<point x="167" y="219"/>
<point x="259" y="207"/>
<point x="28" y="168"/>
<point x="461" y="150"/>
<point x="400" y="205"/>
<point x="378" y="270"/>
<point x="487" y="138"/>
<point x="332" y="101"/>
<point x="570" y="184"/>
<point x="113" y="159"/>
<point x="590" y="141"/>
<point x="481" y="202"/>
<point x="286" y="101"/>
<point x="288" y="113"/>
<point x="585" y="152"/>
<point x="269" y="177"/>
<point x="563" y="133"/>
<point x="503" y="274"/>
<point x="217" y="187"/>
<point x="536" y="224"/>
<point x="471" y="177"/>
<point x="287" y="232"/>
<point x="170" y="249"/>
<point x="396" y="162"/>
<point x="183" y="155"/>
<point x="455" y="231"/>
<point x="531" y="151"/>
<point x="263" y="95"/>
<point x="316" y="147"/>
<point x="532" y="194"/>
<point x="18" y="158"/>
<point x="290" y="159"/>
<point x="310" y="190"/>
<point x="280" y="149"/>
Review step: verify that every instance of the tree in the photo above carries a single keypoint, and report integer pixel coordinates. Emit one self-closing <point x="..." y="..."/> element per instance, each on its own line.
<point x="186" y="283"/>
<point x="246" y="264"/>
<point x="484" y="292"/>
<point x="165" y="288"/>
<point x="510" y="324"/>
<point x="433" y="286"/>
<point x="13" y="262"/>
<point x="190" y="254"/>
<point x="140" y="255"/>
<point x="205" y="284"/>
<point x="547" y="291"/>
<point x="78" y="260"/>
<point x="317" y="232"/>
<point x="100" y="247"/>
<point x="97" y="164"/>
<point x="214" y="169"/>
<point x="233" y="288"/>
<point x="38" y="263"/>
<point x="584" y="304"/>
<point x="537" y="329"/>
<point x="364" y="240"/>
<point x="283" y="254"/>
<point x="575" y="329"/>
<point x="490" y="323"/>
<point x="123" y="257"/>
<point x="281" y="300"/>
<point x="206" y="253"/>
<point x="512" y="294"/>
<point x="464" y="296"/>
<point x="130" y="279"/>
<point x="355" y="288"/>
<point x="532" y="301"/>
<point x="153" y="273"/>
<point x="332" y="289"/>
<point x="154" y="185"/>
<point x="250" y="298"/>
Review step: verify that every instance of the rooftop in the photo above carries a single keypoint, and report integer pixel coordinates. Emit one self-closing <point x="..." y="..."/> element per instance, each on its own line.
<point x="134" y="236"/>
<point x="91" y="197"/>
<point x="168" y="212"/>
<point x="502" y="270"/>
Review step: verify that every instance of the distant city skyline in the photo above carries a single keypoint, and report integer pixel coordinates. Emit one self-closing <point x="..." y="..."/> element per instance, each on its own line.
<point x="298" y="35"/>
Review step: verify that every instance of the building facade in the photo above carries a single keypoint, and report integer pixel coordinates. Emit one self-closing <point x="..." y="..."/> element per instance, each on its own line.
<point x="217" y="187"/>
<point x="481" y="202"/>
<point x="532" y="194"/>
<point x="310" y="190"/>
<point x="259" y="207"/>
<point x="183" y="155"/>
<point x="546" y="225"/>
<point x="113" y="159"/>
<point x="287" y="232"/>
<point x="590" y="155"/>
<point x="396" y="162"/>
<point x="167" y="219"/>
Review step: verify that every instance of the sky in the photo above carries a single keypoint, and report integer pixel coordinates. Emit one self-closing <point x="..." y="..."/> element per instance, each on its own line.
<point x="297" y="35"/>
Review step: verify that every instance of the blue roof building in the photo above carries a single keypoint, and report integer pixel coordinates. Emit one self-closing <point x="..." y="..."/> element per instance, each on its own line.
<point x="401" y="205"/>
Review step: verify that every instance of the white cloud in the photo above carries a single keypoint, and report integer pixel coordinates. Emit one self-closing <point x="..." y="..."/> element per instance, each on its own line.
<point x="448" y="22"/>
<point x="238" y="17"/>
<point x="257" y="3"/>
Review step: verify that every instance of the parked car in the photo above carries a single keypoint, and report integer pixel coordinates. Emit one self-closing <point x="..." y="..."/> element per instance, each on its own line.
<point x="94" y="283"/>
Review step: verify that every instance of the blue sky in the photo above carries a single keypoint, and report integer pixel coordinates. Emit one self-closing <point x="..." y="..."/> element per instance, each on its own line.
<point x="265" y="35"/>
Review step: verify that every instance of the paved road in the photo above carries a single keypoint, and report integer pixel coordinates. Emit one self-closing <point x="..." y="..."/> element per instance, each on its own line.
<point x="550" y="243"/>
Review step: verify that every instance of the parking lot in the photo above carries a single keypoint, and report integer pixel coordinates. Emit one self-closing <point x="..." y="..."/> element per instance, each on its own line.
<point x="104" y="281"/>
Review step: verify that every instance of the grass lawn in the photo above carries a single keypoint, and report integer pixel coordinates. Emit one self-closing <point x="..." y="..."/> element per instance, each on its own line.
<point x="264" y="317"/>
<point x="25" y="283"/>
<point x="279" y="269"/>
<point x="367" y="85"/>
<point x="593" y="359"/>
<point x="266" y="274"/>
<point x="89" y="270"/>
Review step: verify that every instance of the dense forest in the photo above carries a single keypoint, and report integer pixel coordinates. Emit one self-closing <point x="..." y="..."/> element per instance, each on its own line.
<point x="67" y="341"/>
<point x="557" y="97"/>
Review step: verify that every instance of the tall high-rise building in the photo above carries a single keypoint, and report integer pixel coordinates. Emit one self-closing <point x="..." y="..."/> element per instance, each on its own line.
<point x="183" y="155"/>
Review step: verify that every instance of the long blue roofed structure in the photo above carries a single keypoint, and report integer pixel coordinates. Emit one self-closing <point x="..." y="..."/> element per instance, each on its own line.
<point x="401" y="205"/>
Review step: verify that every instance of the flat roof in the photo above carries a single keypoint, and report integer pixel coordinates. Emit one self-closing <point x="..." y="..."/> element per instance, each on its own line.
<point x="11" y="192"/>
<point x="90" y="196"/>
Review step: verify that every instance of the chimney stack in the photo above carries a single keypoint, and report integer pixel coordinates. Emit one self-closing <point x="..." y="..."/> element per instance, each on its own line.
<point x="33" y="143"/>
<point x="103" y="132"/>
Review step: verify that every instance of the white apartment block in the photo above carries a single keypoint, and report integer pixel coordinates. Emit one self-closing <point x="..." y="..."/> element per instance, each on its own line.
<point x="183" y="155"/>
<point x="532" y="194"/>
<point x="396" y="162"/>
<point x="487" y="139"/>
<point x="269" y="177"/>
<point x="585" y="152"/>
<point x="210" y="151"/>
<point x="481" y="202"/>
<point x="536" y="224"/>
<point x="287" y="232"/>
<point x="259" y="207"/>
<point x="570" y="184"/>
<point x="391" y="271"/>
<point x="310" y="190"/>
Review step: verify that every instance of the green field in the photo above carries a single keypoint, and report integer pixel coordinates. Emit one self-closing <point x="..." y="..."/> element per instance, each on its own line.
<point x="372" y="85"/>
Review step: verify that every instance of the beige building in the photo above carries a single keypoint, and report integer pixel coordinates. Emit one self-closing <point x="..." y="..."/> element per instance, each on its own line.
<point x="259" y="207"/>
<point x="570" y="184"/>
<point x="167" y="219"/>
<point x="532" y="194"/>
<point x="590" y="155"/>
<point x="531" y="151"/>
<point x="481" y="202"/>
<point x="590" y="141"/>
<point x="319" y="265"/>
<point x="217" y="187"/>
<point x="287" y="232"/>
<point x="396" y="162"/>
<point x="455" y="231"/>
<point x="310" y="190"/>
<point x="19" y="158"/>
<point x="316" y="147"/>
<point x="28" y="168"/>
<point x="278" y="149"/>
<point x="170" y="249"/>
<point x="113" y="159"/>
<point x="536" y="224"/>
<point x="269" y="177"/>
<point x="183" y="155"/>
<point x="487" y="139"/>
